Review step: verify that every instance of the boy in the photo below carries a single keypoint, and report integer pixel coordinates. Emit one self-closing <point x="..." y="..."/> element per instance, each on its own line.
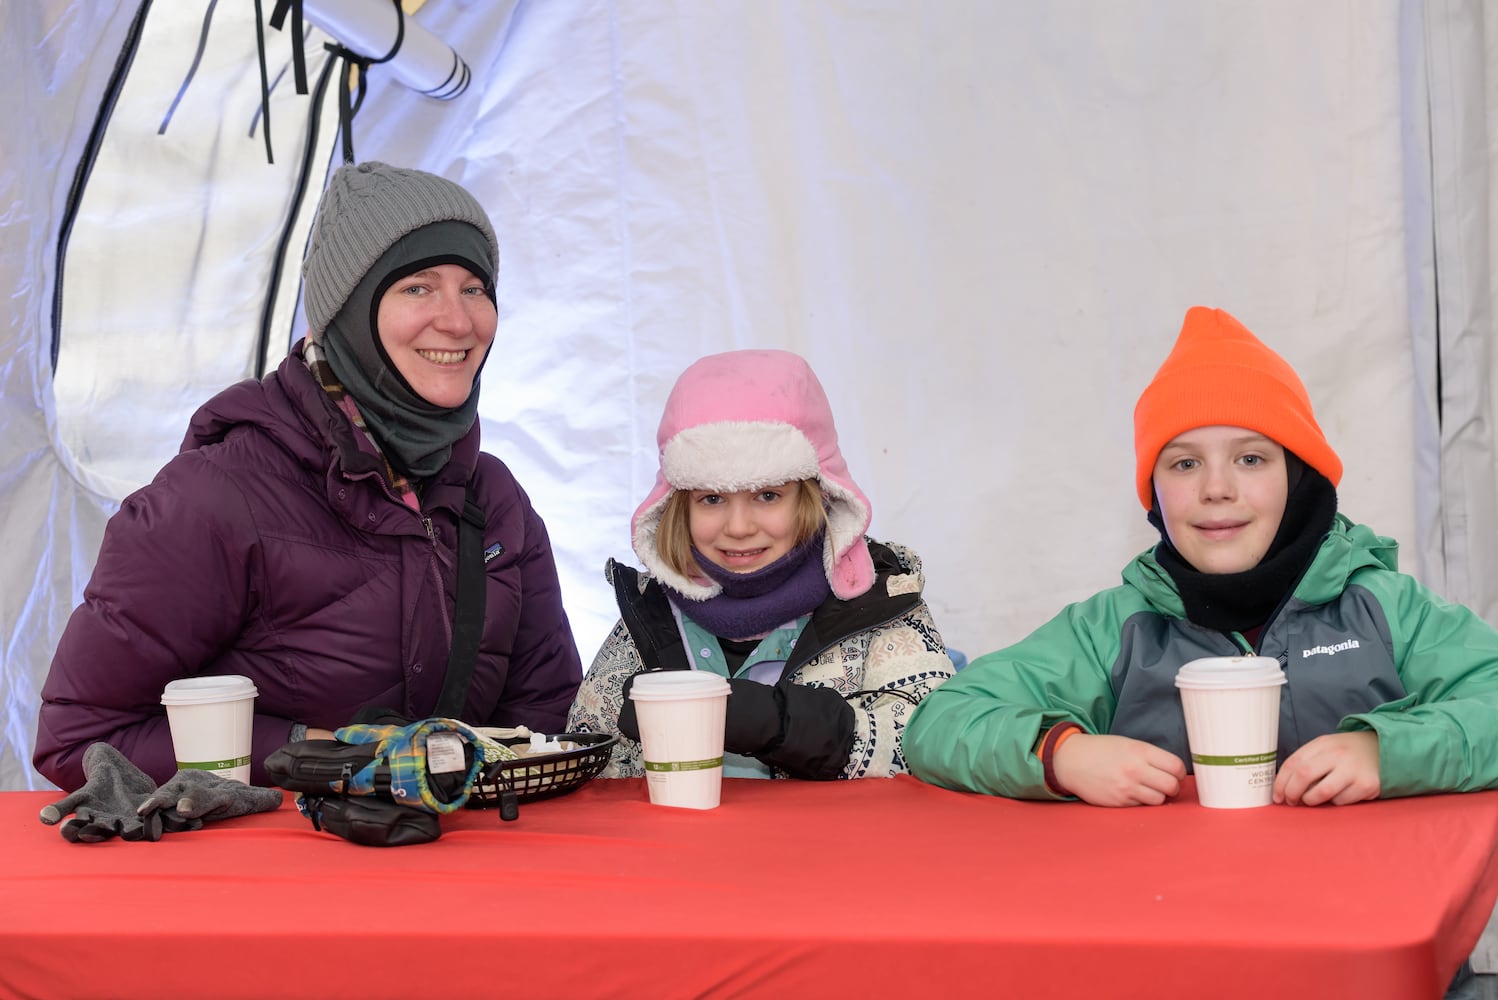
<point x="1391" y="690"/>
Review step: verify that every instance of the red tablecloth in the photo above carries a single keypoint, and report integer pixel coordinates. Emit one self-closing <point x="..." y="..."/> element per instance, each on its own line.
<point x="789" y="889"/>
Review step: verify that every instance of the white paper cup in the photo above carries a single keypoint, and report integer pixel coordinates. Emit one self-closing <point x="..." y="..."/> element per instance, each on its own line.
<point x="212" y="721"/>
<point x="681" y="715"/>
<point x="1232" y="706"/>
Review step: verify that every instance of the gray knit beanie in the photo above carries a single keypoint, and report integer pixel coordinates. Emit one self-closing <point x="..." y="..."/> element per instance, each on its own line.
<point x="366" y="208"/>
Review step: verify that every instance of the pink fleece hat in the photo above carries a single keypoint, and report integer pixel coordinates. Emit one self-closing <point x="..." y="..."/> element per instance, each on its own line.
<point x="744" y="420"/>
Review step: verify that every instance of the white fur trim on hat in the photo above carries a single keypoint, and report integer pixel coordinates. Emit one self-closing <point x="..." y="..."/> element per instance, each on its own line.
<point x="738" y="455"/>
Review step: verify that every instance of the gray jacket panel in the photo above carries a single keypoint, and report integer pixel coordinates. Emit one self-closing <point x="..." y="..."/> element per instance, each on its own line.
<point x="1338" y="660"/>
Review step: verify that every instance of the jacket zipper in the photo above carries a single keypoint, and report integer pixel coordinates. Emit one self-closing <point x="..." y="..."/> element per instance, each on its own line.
<point x="434" y="563"/>
<point x="1258" y="647"/>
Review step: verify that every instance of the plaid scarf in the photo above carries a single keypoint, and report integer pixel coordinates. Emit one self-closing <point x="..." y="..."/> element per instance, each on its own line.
<point x="318" y="365"/>
<point x="402" y="750"/>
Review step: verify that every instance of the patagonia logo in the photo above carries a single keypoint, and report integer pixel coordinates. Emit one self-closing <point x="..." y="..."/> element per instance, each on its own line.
<point x="497" y="549"/>
<point x="1329" y="650"/>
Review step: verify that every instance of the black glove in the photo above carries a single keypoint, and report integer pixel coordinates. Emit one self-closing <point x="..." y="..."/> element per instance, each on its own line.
<point x="204" y="795"/>
<point x="106" y="805"/>
<point x="629" y="726"/>
<point x="818" y="734"/>
<point x="756" y="717"/>
<point x="807" y="732"/>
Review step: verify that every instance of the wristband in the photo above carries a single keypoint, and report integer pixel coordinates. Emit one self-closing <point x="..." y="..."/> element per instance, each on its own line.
<point x="1053" y="738"/>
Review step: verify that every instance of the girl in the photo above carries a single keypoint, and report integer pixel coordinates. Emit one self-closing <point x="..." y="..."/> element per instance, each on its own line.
<point x="1391" y="690"/>
<point x="759" y="571"/>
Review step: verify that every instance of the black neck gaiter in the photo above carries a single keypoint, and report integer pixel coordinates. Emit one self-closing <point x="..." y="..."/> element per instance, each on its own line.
<point x="1237" y="602"/>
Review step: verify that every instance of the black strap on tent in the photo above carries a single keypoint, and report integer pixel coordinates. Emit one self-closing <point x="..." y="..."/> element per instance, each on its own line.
<point x="264" y="81"/>
<point x="298" y="56"/>
<point x="298" y="62"/>
<point x="268" y="331"/>
<point x="348" y="106"/>
<point x="192" y="70"/>
<point x="129" y="46"/>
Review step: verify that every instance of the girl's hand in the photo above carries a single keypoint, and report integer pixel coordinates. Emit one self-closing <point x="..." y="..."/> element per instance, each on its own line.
<point x="1117" y="770"/>
<point x="1340" y="768"/>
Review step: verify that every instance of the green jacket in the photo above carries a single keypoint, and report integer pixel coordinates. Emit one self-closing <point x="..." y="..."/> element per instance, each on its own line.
<point x="1363" y="647"/>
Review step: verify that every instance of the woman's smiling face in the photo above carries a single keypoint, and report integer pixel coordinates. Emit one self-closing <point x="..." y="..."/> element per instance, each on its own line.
<point x="436" y="326"/>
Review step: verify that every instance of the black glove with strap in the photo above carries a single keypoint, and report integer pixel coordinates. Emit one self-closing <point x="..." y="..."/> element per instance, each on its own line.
<point x="807" y="732"/>
<point x="756" y="717"/>
<point x="629" y="725"/>
<point x="107" y="805"/>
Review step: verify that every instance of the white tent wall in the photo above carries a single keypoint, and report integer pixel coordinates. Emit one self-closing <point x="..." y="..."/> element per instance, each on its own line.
<point x="60" y="57"/>
<point x="981" y="223"/>
<point x="170" y="258"/>
<point x="1455" y="304"/>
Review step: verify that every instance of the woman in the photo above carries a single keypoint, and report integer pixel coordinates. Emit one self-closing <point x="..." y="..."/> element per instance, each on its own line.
<point x="306" y="535"/>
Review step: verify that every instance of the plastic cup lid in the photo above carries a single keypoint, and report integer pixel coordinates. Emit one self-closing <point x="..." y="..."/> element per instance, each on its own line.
<point x="207" y="690"/>
<point x="1231" y="672"/>
<point x="677" y="685"/>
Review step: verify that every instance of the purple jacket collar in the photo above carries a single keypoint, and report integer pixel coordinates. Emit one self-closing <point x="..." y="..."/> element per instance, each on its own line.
<point x="291" y="398"/>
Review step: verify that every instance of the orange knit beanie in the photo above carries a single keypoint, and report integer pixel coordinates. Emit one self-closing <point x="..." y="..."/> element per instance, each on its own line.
<point x="1219" y="374"/>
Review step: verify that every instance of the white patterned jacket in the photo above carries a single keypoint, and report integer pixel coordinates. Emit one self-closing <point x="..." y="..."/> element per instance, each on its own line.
<point x="880" y="651"/>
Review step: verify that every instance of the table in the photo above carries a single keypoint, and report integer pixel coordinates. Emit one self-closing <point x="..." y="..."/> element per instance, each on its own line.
<point x="872" y="888"/>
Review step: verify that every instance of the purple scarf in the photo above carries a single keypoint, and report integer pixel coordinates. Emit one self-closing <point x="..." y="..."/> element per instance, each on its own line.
<point x="753" y="604"/>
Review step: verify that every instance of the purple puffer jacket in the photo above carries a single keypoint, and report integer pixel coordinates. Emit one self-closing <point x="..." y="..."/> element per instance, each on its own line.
<point x="271" y="547"/>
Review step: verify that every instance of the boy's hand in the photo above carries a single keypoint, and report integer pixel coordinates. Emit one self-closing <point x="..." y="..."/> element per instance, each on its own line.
<point x="1117" y="770"/>
<point x="1340" y="768"/>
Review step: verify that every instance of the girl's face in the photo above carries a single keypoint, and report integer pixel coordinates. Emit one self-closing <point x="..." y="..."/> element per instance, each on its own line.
<point x="745" y="531"/>
<point x="1222" y="494"/>
<point x="436" y="326"/>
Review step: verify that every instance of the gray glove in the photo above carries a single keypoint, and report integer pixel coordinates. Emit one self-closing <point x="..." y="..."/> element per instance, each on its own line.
<point x="203" y="795"/>
<point x="106" y="805"/>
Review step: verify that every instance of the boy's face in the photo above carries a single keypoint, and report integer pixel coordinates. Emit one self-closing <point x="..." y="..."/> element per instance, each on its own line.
<point x="1222" y="494"/>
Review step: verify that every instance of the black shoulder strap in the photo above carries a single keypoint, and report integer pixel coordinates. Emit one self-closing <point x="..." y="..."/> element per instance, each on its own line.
<point x="468" y="620"/>
<point x="647" y="616"/>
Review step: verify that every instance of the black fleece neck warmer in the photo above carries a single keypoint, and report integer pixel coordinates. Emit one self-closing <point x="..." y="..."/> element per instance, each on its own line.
<point x="1236" y="602"/>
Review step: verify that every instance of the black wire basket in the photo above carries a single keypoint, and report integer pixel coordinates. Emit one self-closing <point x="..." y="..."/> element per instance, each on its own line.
<point x="545" y="776"/>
